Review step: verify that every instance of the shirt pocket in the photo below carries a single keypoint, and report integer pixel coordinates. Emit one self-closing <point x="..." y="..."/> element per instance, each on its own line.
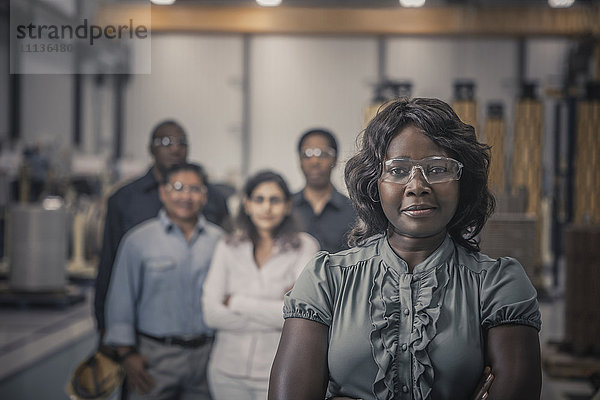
<point x="160" y="264"/>
<point x="160" y="277"/>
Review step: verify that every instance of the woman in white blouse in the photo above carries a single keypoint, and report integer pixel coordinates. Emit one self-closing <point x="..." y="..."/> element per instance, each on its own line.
<point x="243" y="293"/>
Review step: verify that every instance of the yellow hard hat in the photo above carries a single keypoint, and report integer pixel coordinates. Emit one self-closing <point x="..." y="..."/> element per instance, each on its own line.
<point x="96" y="378"/>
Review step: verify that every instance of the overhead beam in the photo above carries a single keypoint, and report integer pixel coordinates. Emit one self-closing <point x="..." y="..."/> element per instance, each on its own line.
<point x="452" y="20"/>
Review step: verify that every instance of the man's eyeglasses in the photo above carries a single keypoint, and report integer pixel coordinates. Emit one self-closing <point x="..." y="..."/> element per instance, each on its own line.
<point x="434" y="169"/>
<point x="274" y="200"/>
<point x="179" y="187"/>
<point x="167" y="141"/>
<point x="327" y="152"/>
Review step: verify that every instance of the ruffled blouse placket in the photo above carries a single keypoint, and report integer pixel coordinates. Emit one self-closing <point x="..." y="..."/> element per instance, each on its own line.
<point x="403" y="356"/>
<point x="404" y="309"/>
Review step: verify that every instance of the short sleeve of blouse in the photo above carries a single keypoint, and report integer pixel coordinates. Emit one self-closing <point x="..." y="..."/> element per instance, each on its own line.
<point x="508" y="297"/>
<point x="311" y="295"/>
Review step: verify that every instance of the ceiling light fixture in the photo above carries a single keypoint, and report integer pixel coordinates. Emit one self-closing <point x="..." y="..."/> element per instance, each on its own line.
<point x="412" y="3"/>
<point x="163" y="2"/>
<point x="268" y="3"/>
<point x="561" y="3"/>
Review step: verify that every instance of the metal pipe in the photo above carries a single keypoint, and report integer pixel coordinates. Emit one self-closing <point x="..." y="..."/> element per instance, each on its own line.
<point x="381" y="59"/>
<point x="246" y="115"/>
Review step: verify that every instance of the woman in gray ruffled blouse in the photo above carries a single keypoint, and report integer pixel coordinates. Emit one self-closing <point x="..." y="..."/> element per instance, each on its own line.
<point x="414" y="310"/>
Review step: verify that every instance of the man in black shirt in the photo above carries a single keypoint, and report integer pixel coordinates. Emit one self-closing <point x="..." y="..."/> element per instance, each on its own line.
<point x="325" y="213"/>
<point x="138" y="201"/>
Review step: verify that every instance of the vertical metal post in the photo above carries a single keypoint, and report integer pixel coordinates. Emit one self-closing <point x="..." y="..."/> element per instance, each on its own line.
<point x="557" y="192"/>
<point x="77" y="106"/>
<point x="246" y="117"/>
<point x="381" y="59"/>
<point x="521" y="61"/>
<point x="119" y="112"/>
<point x="77" y="88"/>
<point x="15" y="107"/>
<point x="14" y="81"/>
<point x="520" y="78"/>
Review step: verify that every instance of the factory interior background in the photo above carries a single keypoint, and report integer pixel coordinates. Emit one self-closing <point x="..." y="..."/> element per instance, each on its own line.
<point x="245" y="81"/>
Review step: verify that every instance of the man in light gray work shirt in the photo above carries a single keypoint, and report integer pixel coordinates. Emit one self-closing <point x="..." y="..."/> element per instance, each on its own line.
<point x="153" y="311"/>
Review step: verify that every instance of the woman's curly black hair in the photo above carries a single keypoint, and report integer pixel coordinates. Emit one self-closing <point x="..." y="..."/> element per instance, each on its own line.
<point x="439" y="122"/>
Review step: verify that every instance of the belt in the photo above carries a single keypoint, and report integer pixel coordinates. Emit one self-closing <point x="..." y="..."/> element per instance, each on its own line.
<point x="187" y="342"/>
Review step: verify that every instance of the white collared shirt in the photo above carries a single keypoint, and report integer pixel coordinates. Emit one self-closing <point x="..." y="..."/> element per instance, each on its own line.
<point x="248" y="330"/>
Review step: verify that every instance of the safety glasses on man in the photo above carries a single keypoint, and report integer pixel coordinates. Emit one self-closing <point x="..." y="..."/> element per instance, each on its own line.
<point x="179" y="187"/>
<point x="167" y="141"/>
<point x="317" y="152"/>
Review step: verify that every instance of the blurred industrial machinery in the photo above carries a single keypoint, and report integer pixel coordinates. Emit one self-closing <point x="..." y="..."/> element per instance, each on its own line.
<point x="386" y="90"/>
<point x="38" y="246"/>
<point x="53" y="235"/>
<point x="464" y="102"/>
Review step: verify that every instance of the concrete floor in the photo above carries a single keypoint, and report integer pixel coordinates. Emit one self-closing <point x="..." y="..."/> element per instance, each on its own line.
<point x="553" y="331"/>
<point x="39" y="348"/>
